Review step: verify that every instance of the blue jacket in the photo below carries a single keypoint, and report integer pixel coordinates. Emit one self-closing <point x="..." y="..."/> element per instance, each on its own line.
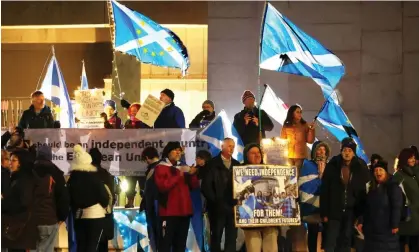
<point x="170" y="117"/>
<point x="309" y="186"/>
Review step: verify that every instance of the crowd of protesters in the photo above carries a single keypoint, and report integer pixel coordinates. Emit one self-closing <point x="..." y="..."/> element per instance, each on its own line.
<point x="341" y="197"/>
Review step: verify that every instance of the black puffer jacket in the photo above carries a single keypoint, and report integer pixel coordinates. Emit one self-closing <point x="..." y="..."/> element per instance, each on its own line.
<point x="332" y="189"/>
<point x="30" y="120"/>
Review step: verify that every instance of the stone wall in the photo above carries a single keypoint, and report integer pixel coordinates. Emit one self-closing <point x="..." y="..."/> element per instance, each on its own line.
<point x="377" y="41"/>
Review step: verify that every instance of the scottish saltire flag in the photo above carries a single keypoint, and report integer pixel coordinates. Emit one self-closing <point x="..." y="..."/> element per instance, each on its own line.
<point x="286" y="48"/>
<point x="334" y="119"/>
<point x="55" y="90"/>
<point x="196" y="236"/>
<point x="132" y="227"/>
<point x="220" y="128"/>
<point x="84" y="84"/>
<point x="72" y="242"/>
<point x="137" y="35"/>
<point x="309" y="188"/>
<point x="247" y="207"/>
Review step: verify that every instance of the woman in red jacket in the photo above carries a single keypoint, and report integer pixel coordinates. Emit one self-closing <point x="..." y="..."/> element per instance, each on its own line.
<point x="175" y="205"/>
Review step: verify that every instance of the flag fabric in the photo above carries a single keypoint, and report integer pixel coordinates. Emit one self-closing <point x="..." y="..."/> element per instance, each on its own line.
<point x="72" y="242"/>
<point x="334" y="119"/>
<point x="286" y="48"/>
<point x="54" y="89"/>
<point x="220" y="128"/>
<point x="84" y="84"/>
<point x="273" y="105"/>
<point x="137" y="35"/>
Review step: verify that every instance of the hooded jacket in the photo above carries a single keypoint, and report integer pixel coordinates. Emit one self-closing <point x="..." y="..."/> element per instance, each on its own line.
<point x="334" y="196"/>
<point x="88" y="196"/>
<point x="31" y="120"/>
<point x="174" y="188"/>
<point x="309" y="185"/>
<point x="59" y="197"/>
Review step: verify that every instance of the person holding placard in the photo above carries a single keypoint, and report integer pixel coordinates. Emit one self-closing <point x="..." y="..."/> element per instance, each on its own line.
<point x="171" y="116"/>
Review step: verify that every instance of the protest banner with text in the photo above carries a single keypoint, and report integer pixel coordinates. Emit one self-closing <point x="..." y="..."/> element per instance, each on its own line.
<point x="89" y="106"/>
<point x="266" y="196"/>
<point x="121" y="149"/>
<point x="150" y="110"/>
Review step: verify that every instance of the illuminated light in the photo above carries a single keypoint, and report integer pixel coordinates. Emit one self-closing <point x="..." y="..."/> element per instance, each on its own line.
<point x="266" y="141"/>
<point x="124" y="185"/>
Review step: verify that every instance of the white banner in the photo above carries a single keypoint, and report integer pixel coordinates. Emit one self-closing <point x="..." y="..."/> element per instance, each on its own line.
<point x="89" y="106"/>
<point x="121" y="149"/>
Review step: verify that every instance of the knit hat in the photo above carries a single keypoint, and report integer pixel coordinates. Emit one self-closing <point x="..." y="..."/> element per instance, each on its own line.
<point x="169" y="147"/>
<point x="82" y="161"/>
<point x="110" y="103"/>
<point x="209" y="102"/>
<point x="96" y="156"/>
<point x="247" y="94"/>
<point x="349" y="143"/>
<point x="44" y="152"/>
<point x="381" y="164"/>
<point x="169" y="93"/>
<point x="247" y="149"/>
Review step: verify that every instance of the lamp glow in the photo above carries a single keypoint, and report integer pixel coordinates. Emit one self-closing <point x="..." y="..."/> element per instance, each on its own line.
<point x="124" y="185"/>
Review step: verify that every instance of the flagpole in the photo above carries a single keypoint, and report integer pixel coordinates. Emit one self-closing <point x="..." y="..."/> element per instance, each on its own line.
<point x="259" y="71"/>
<point x="112" y="33"/>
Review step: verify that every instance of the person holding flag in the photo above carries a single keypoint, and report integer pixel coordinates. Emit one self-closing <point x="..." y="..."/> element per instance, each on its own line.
<point x="298" y="133"/>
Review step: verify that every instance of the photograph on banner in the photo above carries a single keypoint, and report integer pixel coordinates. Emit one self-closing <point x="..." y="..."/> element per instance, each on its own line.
<point x="89" y="106"/>
<point x="150" y="110"/>
<point x="275" y="151"/>
<point x="266" y="196"/>
<point x="121" y="149"/>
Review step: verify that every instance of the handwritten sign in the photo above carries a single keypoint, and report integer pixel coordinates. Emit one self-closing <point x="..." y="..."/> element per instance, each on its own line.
<point x="150" y="110"/>
<point x="89" y="106"/>
<point x="275" y="151"/>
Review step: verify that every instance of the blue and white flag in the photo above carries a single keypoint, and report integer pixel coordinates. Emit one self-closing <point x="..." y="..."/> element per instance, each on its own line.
<point x="137" y="35"/>
<point x="55" y="90"/>
<point x="84" y="84"/>
<point x="286" y="48"/>
<point x="334" y="119"/>
<point x="220" y="128"/>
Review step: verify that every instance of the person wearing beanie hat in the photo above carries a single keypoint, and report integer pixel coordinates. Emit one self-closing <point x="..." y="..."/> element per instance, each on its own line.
<point x="217" y="188"/>
<point x="133" y="122"/>
<point x="309" y="182"/>
<point x="381" y="211"/>
<point x="175" y="205"/>
<point x="205" y="117"/>
<point x="112" y="121"/>
<point x="343" y="184"/>
<point x="171" y="116"/>
<point x="89" y="200"/>
<point x="108" y="181"/>
<point x="247" y="121"/>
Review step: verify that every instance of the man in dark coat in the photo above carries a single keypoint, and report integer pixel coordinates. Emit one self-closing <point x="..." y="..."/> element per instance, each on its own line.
<point x="38" y="116"/>
<point x="204" y="117"/>
<point x="343" y="184"/>
<point x="246" y="121"/>
<point x="171" y="116"/>
<point x="217" y="188"/>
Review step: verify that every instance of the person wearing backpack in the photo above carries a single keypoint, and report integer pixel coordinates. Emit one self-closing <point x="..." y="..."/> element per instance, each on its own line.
<point x="382" y="207"/>
<point x="407" y="175"/>
<point x="51" y="199"/>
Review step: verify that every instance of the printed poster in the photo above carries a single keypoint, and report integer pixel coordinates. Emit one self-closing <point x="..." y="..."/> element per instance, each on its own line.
<point x="266" y="196"/>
